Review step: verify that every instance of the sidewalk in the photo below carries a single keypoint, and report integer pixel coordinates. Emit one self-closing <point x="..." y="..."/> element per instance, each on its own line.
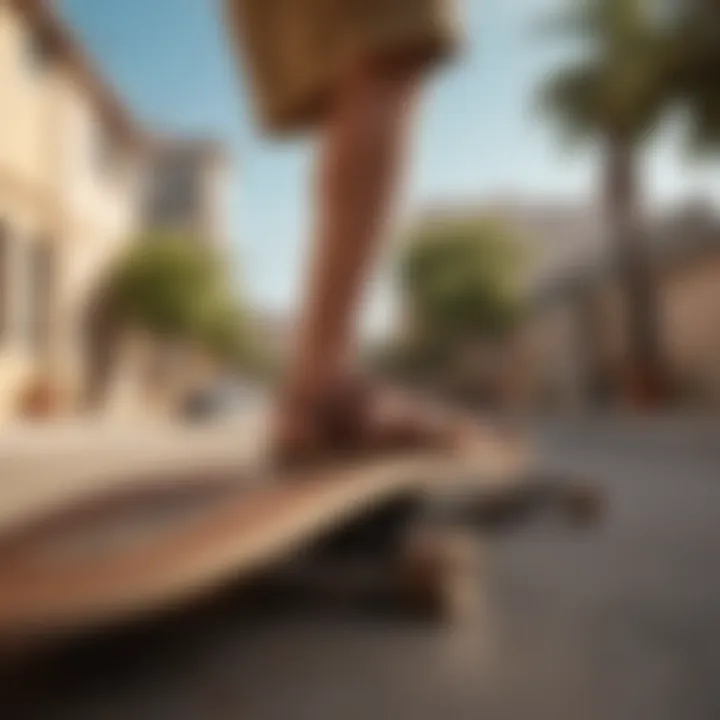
<point x="43" y="465"/>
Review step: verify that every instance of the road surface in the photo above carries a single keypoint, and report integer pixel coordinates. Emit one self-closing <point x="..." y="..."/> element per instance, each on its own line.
<point x="619" y="622"/>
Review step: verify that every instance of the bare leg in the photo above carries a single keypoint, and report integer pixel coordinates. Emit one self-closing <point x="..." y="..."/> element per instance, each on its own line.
<point x="362" y="156"/>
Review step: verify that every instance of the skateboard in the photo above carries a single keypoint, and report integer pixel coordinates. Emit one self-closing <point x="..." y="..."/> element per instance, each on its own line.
<point x="132" y="551"/>
<point x="121" y="553"/>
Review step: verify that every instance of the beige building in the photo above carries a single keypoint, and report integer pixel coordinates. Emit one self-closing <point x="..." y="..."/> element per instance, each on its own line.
<point x="187" y="190"/>
<point x="69" y="183"/>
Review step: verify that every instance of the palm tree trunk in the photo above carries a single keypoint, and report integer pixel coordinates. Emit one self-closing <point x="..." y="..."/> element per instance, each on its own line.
<point x="644" y="382"/>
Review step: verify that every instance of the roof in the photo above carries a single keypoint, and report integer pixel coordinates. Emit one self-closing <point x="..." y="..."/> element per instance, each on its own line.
<point x="206" y="148"/>
<point x="554" y="235"/>
<point x="44" y="17"/>
<point x="689" y="235"/>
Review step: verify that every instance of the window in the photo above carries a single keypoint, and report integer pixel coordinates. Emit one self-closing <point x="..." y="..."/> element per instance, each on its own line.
<point x="38" y="52"/>
<point x="41" y="290"/>
<point x="4" y="281"/>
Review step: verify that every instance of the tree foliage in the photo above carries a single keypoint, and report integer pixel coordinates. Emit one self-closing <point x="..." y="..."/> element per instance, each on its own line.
<point x="642" y="58"/>
<point x="695" y="26"/>
<point x="162" y="283"/>
<point x="459" y="279"/>
<point x="177" y="289"/>
<point x="621" y="84"/>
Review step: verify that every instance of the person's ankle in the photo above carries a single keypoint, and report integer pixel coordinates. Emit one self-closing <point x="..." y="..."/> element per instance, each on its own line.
<point x="307" y="392"/>
<point x="312" y="413"/>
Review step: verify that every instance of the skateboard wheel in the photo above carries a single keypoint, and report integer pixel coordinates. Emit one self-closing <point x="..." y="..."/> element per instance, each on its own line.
<point x="436" y="573"/>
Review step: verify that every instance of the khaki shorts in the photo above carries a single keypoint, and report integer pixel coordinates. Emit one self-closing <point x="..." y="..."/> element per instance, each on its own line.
<point x="296" y="51"/>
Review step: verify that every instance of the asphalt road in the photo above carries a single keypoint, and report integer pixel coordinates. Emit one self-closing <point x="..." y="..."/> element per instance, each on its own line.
<point x="621" y="621"/>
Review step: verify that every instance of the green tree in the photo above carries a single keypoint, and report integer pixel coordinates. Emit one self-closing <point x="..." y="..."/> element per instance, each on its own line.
<point x="165" y="285"/>
<point x="617" y="93"/>
<point x="695" y="30"/>
<point x="459" y="280"/>
<point x="176" y="289"/>
<point x="226" y="331"/>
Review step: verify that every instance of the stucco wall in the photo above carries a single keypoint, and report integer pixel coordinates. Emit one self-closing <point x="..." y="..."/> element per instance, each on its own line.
<point x="53" y="190"/>
<point x="26" y="96"/>
<point x="691" y="326"/>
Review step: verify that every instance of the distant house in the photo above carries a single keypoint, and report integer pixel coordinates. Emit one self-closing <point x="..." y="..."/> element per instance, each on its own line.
<point x="572" y="346"/>
<point x="577" y="331"/>
<point x="187" y="189"/>
<point x="553" y="236"/>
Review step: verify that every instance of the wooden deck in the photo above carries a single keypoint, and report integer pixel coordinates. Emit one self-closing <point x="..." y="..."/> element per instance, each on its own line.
<point x="149" y="545"/>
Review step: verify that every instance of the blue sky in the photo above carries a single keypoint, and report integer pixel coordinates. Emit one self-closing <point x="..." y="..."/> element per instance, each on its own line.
<point x="479" y="137"/>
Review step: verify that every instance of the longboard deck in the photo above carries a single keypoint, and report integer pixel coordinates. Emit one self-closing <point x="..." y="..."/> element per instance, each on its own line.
<point x="122" y="553"/>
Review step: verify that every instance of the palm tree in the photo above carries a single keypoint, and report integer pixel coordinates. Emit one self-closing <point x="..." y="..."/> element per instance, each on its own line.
<point x="696" y="57"/>
<point x="460" y="289"/>
<point x="174" y="290"/>
<point x="616" y="93"/>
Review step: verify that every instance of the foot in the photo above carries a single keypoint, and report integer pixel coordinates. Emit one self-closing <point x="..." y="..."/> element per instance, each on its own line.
<point x="355" y="418"/>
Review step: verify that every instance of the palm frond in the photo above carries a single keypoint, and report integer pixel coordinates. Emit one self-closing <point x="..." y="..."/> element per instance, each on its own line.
<point x="577" y="22"/>
<point x="572" y="95"/>
<point x="624" y="85"/>
<point x="704" y="130"/>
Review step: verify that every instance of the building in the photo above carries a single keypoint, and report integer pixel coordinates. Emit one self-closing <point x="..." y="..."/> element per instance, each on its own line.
<point x="571" y="350"/>
<point x="275" y="334"/>
<point x="70" y="170"/>
<point x="187" y="190"/>
<point x="577" y="332"/>
<point x="553" y="236"/>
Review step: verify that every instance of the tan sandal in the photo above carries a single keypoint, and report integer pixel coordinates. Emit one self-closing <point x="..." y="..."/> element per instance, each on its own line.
<point x="357" y="419"/>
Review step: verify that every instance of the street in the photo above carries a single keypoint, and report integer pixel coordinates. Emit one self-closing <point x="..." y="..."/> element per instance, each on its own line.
<point x="619" y="621"/>
<point x="42" y="466"/>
